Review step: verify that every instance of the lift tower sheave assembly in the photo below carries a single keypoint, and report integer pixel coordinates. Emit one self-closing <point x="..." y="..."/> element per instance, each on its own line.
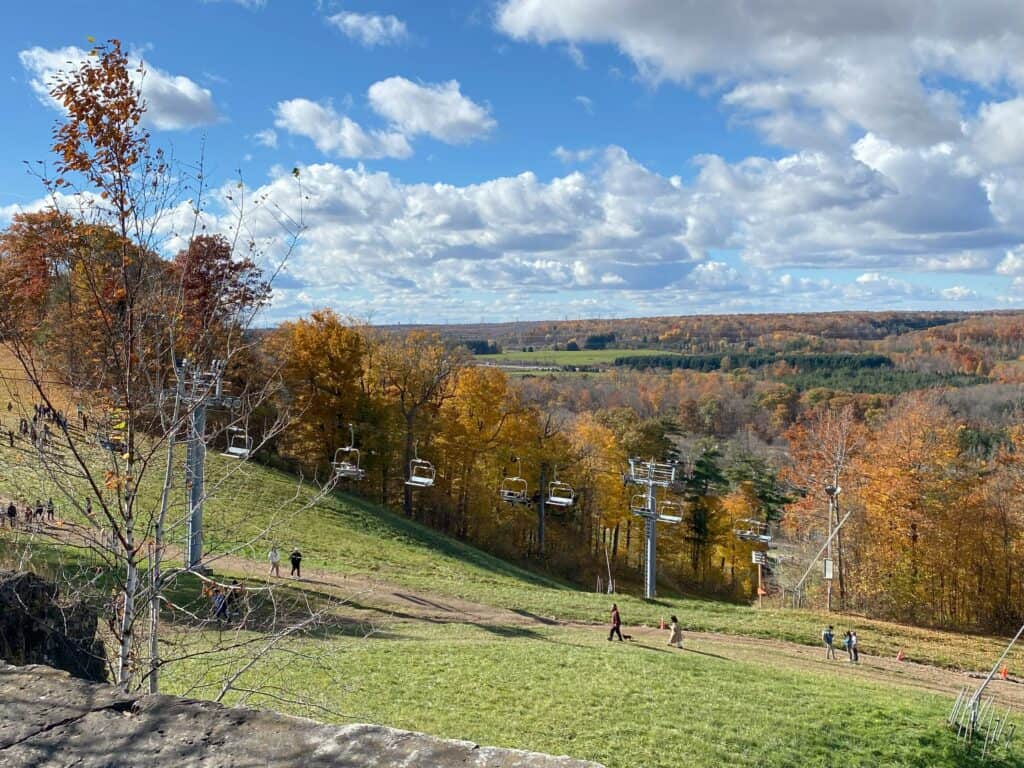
<point x="650" y="475"/>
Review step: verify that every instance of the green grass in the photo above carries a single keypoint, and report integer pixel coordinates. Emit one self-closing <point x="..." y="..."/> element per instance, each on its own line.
<point x="563" y="357"/>
<point x="625" y="705"/>
<point x="254" y="506"/>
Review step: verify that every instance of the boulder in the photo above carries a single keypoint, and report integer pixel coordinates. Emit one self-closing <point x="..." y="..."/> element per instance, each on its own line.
<point x="38" y="627"/>
<point x="50" y="719"/>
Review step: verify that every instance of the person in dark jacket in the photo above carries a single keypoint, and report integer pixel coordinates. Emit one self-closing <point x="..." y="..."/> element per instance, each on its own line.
<point x="616" y="623"/>
<point x="296" y="558"/>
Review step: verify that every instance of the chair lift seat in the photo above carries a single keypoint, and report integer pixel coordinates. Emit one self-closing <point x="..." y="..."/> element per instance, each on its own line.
<point x="421" y="474"/>
<point x="560" y="495"/>
<point x="514" y="490"/>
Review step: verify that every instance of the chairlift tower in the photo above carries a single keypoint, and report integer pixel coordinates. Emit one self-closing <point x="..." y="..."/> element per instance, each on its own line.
<point x="650" y="475"/>
<point x="197" y="389"/>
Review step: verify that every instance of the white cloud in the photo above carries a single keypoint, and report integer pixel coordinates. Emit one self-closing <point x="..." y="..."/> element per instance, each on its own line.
<point x="266" y="138"/>
<point x="370" y="29"/>
<point x="439" y="110"/>
<point x="572" y="155"/>
<point x="337" y="135"/>
<point x="805" y="69"/>
<point x="173" y="101"/>
<point x="1013" y="262"/>
<point x="587" y="103"/>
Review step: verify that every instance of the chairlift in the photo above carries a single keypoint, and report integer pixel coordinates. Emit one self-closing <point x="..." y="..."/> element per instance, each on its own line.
<point x="753" y="530"/>
<point x="421" y="471"/>
<point x="514" y="489"/>
<point x="560" y="494"/>
<point x="638" y="504"/>
<point x="346" y="459"/>
<point x="669" y="511"/>
<point x="239" y="444"/>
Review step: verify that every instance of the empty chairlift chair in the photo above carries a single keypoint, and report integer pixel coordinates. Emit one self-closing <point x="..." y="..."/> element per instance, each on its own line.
<point x="239" y="444"/>
<point x="346" y="460"/>
<point x="560" y="494"/>
<point x="421" y="472"/>
<point x="753" y="530"/>
<point x="669" y="511"/>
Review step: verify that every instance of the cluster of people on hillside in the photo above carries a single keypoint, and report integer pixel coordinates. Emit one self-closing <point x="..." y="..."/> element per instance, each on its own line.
<point x="38" y="429"/>
<point x="228" y="602"/>
<point x="675" y="636"/>
<point x="31" y="513"/>
<point x="828" y="637"/>
<point x="275" y="562"/>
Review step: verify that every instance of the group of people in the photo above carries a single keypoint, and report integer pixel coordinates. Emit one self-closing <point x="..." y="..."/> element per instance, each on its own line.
<point x="828" y="637"/>
<point x="228" y="601"/>
<point x="32" y="513"/>
<point x="275" y="562"/>
<point x="675" y="637"/>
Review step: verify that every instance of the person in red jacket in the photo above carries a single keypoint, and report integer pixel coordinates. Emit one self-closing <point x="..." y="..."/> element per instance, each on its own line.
<point x="616" y="623"/>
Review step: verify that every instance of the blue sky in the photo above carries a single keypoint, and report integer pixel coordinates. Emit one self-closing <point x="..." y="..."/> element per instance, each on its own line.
<point x="526" y="159"/>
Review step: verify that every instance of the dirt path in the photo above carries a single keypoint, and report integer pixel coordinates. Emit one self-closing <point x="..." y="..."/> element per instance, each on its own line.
<point x="387" y="600"/>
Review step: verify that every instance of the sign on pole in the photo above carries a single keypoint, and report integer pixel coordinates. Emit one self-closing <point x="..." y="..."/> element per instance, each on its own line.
<point x="827" y="567"/>
<point x="758" y="558"/>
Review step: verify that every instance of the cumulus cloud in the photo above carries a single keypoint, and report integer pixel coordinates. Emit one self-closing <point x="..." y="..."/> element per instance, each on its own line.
<point x="439" y="110"/>
<point x="337" y="135"/>
<point x="370" y="29"/>
<point x="805" y="68"/>
<point x="173" y="101"/>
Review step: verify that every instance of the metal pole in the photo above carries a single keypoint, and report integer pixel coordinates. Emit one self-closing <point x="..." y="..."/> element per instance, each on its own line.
<point x="195" y="473"/>
<point x="828" y="556"/>
<point x="814" y="560"/>
<point x="541" y="510"/>
<point x="760" y="590"/>
<point x="651" y="554"/>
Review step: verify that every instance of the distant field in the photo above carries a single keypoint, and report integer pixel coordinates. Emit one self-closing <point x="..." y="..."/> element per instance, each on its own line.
<point x="563" y="357"/>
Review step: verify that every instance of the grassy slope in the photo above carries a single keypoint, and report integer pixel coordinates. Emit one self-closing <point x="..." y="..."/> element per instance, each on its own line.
<point x="348" y="535"/>
<point x="564" y="690"/>
<point x="625" y="705"/>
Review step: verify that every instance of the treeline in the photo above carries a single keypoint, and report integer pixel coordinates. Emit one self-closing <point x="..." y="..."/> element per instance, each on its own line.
<point x="730" y="361"/>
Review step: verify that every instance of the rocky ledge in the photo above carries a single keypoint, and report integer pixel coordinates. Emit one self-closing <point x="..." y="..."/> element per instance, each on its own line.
<point x="49" y="718"/>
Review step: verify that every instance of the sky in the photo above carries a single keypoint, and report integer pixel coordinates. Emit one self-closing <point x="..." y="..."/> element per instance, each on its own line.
<point x="496" y="160"/>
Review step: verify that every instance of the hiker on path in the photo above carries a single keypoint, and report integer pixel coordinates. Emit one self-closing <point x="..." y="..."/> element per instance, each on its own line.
<point x="616" y="623"/>
<point x="848" y="644"/>
<point x="827" y="636"/>
<point x="676" y="633"/>
<point x="296" y="558"/>
<point x="275" y="561"/>
<point x="12" y="513"/>
<point x="39" y="510"/>
<point x="49" y="510"/>
<point x="853" y="647"/>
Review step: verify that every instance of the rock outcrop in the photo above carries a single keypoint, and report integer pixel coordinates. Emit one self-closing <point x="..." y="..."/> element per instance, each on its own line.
<point x="38" y="627"/>
<point x="49" y="719"/>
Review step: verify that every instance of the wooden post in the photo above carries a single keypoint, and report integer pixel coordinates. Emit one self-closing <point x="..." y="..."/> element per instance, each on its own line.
<point x="760" y="587"/>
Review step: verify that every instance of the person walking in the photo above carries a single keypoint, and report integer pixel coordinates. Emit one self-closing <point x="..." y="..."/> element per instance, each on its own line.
<point x="12" y="513"/>
<point x="296" y="558"/>
<point x="848" y="644"/>
<point x="49" y="510"/>
<point x="616" y="623"/>
<point x="827" y="636"/>
<point x="853" y="647"/>
<point x="275" y="561"/>
<point x="675" y="633"/>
